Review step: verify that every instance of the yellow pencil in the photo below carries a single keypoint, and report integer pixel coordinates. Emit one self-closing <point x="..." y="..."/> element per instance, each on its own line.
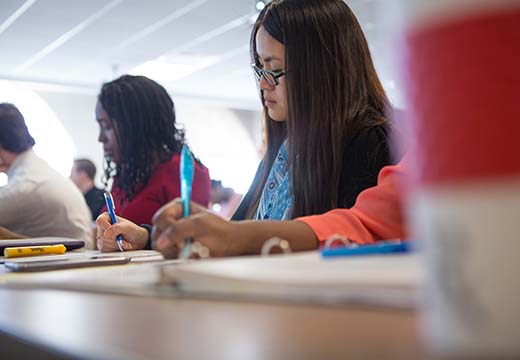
<point x="11" y="252"/>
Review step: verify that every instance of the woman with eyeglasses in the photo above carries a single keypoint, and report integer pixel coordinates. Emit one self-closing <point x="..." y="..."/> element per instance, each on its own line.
<point x="327" y="124"/>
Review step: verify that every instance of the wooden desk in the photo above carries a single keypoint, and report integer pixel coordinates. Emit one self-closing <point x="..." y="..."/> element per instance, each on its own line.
<point x="93" y="326"/>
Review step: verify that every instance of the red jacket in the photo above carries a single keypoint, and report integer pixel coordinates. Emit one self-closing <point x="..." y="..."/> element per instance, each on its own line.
<point x="376" y="215"/>
<point x="163" y="186"/>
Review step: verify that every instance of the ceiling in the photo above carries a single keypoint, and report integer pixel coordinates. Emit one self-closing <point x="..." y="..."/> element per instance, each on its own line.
<point x="202" y="44"/>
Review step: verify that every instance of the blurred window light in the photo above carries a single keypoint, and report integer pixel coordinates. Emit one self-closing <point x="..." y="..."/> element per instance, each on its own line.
<point x="169" y="70"/>
<point x="220" y="140"/>
<point x="53" y="142"/>
<point x="369" y="26"/>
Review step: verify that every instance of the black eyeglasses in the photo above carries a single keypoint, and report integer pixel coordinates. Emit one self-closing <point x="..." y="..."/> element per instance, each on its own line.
<point x="270" y="76"/>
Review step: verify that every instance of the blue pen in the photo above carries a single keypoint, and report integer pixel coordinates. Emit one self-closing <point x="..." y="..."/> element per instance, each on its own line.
<point x="374" y="249"/>
<point x="186" y="170"/>
<point x="112" y="212"/>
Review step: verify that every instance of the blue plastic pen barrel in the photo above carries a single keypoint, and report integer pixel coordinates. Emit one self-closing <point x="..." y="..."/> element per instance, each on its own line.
<point x="113" y="218"/>
<point x="186" y="170"/>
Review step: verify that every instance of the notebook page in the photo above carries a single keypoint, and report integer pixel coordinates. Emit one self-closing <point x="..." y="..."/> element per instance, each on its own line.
<point x="304" y="277"/>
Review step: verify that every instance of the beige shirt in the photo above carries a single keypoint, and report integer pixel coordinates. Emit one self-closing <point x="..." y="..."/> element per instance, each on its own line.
<point x="38" y="201"/>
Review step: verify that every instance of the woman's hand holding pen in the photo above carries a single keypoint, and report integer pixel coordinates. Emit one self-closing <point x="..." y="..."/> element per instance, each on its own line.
<point x="171" y="229"/>
<point x="134" y="236"/>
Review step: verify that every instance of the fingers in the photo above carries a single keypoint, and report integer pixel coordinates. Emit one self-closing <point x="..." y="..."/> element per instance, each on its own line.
<point x="177" y="231"/>
<point x="107" y="234"/>
<point x="196" y="208"/>
<point x="106" y="245"/>
<point x="109" y="245"/>
<point x="103" y="221"/>
<point x="106" y="240"/>
<point x="170" y="250"/>
<point x="134" y="236"/>
<point x="127" y="246"/>
<point x="172" y="210"/>
<point x="118" y="229"/>
<point x="172" y="239"/>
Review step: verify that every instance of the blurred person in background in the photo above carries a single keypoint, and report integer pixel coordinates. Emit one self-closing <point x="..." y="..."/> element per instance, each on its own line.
<point x="37" y="201"/>
<point x="82" y="174"/>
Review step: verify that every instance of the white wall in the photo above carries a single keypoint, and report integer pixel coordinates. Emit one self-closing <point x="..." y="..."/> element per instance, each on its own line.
<point x="225" y="140"/>
<point x="76" y="112"/>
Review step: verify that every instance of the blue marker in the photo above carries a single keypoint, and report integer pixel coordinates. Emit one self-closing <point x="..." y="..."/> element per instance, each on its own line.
<point x="186" y="170"/>
<point x="112" y="212"/>
<point x="372" y="249"/>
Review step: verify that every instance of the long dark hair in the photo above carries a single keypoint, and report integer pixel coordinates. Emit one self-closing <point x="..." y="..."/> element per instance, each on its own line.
<point x="333" y="92"/>
<point x="143" y="117"/>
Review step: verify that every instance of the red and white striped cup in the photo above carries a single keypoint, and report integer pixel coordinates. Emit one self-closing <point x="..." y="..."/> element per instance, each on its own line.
<point x="462" y="76"/>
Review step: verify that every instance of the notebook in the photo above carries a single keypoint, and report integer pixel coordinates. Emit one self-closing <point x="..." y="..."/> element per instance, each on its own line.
<point x="379" y="280"/>
<point x="389" y="280"/>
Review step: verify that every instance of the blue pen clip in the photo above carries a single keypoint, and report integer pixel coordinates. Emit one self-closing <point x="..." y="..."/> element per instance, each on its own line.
<point x="112" y="213"/>
<point x="186" y="170"/>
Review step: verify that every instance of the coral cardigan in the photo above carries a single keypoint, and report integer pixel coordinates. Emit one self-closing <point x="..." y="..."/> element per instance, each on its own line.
<point x="376" y="215"/>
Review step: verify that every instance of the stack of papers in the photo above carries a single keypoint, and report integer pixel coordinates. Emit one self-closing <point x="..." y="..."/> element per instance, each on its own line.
<point x="380" y="280"/>
<point x="389" y="280"/>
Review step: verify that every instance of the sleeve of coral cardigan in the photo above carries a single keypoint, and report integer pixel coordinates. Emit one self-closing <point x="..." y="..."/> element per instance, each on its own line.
<point x="376" y="215"/>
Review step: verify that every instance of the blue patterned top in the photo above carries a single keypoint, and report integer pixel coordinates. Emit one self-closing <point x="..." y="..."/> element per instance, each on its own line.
<point x="277" y="197"/>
